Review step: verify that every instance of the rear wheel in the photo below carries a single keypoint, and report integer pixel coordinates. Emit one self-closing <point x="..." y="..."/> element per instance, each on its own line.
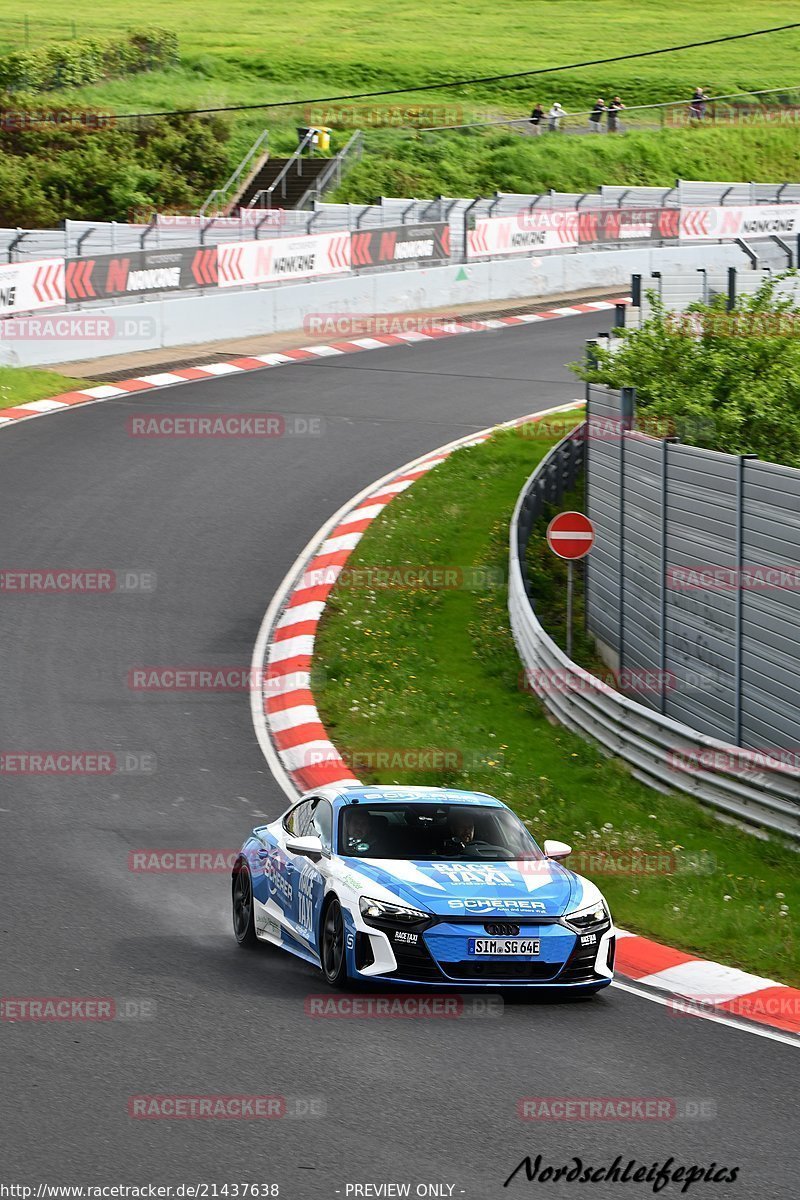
<point x="243" y="916"/>
<point x="332" y="948"/>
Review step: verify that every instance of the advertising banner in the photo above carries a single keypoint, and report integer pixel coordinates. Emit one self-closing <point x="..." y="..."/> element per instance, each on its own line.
<point x="527" y="231"/>
<point x="628" y="224"/>
<point x="392" y="244"/>
<point x="29" y="285"/>
<point x="100" y="276"/>
<point x="750" y="221"/>
<point x="276" y="259"/>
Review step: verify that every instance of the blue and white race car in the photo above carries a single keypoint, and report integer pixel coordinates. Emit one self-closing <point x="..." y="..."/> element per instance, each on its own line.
<point x="420" y="885"/>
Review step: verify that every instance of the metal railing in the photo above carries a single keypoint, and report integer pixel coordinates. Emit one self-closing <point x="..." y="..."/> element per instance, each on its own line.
<point x="293" y="165"/>
<point x="252" y="162"/>
<point x="332" y="174"/>
<point x="662" y="753"/>
<point x="171" y="230"/>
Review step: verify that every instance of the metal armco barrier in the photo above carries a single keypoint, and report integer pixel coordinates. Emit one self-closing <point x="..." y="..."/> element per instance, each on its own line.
<point x="388" y="245"/>
<point x="661" y="752"/>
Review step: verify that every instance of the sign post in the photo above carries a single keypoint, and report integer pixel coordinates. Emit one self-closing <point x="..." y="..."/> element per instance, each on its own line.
<point x="570" y="535"/>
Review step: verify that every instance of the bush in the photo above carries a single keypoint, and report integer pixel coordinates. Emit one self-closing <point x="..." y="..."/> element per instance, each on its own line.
<point x="49" y="171"/>
<point x="87" y="60"/>
<point x="725" y="381"/>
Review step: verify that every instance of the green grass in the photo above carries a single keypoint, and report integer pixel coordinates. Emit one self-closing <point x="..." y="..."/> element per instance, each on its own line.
<point x="423" y="669"/>
<point x="339" y="46"/>
<point x="20" y="385"/>
<point x="372" y="45"/>
<point x="477" y="165"/>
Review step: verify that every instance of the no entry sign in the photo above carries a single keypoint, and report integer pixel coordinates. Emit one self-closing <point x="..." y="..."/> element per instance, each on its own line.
<point x="570" y="535"/>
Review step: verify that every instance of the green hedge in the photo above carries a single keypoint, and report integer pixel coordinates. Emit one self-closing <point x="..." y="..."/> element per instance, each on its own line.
<point x="87" y="60"/>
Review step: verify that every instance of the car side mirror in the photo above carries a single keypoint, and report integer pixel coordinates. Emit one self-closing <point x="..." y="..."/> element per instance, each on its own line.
<point x="309" y="847"/>
<point x="555" y="849"/>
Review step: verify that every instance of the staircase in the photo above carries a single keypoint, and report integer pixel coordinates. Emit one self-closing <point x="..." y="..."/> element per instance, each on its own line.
<point x="281" y="183"/>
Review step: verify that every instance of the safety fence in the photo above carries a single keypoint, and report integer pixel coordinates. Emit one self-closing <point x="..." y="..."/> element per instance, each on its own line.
<point x="163" y="258"/>
<point x="51" y="283"/>
<point x="757" y="788"/>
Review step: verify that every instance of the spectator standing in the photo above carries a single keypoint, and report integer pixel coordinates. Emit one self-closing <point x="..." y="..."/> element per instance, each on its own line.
<point x="596" y="115"/>
<point x="614" y="109"/>
<point x="554" y="117"/>
<point x="536" y="118"/>
<point x="697" y="108"/>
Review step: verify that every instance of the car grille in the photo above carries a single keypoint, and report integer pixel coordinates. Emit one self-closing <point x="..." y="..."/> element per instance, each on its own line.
<point x="468" y="969"/>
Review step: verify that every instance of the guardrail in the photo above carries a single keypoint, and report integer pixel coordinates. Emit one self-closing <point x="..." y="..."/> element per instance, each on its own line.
<point x="662" y="753"/>
<point x="252" y="162"/>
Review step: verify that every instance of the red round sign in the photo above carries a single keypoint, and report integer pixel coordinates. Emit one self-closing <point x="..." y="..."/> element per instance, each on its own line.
<point x="570" y="535"/>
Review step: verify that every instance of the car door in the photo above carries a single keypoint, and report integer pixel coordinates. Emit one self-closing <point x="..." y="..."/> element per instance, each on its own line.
<point x="310" y="818"/>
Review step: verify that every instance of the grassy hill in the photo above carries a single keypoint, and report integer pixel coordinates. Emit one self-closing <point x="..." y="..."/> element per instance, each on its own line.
<point x="248" y="53"/>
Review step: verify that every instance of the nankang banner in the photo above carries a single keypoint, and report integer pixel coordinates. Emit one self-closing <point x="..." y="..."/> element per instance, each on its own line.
<point x="275" y="259"/>
<point x="31" y="285"/>
<point x="750" y="221"/>
<point x="527" y="231"/>
<point x="392" y="244"/>
<point x="628" y="224"/>
<point x="101" y="276"/>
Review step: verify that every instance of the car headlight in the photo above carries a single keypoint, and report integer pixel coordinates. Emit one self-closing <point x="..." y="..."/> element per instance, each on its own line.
<point x="585" y="920"/>
<point x="378" y="912"/>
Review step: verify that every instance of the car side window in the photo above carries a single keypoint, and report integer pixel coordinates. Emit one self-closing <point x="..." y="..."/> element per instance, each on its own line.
<point x="297" y="821"/>
<point x="323" y="822"/>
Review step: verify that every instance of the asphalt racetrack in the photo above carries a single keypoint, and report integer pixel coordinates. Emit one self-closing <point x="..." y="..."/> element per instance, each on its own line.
<point x="216" y="523"/>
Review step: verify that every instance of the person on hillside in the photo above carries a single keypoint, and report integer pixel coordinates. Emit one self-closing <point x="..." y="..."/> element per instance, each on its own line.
<point x="536" y="118"/>
<point x="554" y="117"/>
<point x="697" y="108"/>
<point x="614" y="109"/>
<point x="596" y="115"/>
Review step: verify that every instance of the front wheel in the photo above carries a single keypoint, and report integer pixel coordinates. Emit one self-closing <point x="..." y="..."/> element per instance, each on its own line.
<point x="244" y="926"/>
<point x="334" y="961"/>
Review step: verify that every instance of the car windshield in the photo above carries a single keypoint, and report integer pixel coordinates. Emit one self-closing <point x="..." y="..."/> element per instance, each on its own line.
<point x="456" y="832"/>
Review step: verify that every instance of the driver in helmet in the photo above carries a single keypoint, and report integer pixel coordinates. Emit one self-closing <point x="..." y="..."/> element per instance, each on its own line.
<point x="360" y="834"/>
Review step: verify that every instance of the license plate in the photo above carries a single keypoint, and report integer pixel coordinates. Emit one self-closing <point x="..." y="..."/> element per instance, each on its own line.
<point x="504" y="947"/>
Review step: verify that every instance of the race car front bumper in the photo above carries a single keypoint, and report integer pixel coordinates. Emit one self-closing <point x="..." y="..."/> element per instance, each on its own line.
<point x="438" y="955"/>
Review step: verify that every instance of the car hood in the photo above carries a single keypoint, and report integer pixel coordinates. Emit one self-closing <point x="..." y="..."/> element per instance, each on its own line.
<point x="523" y="888"/>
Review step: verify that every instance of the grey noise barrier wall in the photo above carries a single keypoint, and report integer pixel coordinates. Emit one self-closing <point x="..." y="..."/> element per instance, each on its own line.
<point x="185" y="320"/>
<point x="664" y="752"/>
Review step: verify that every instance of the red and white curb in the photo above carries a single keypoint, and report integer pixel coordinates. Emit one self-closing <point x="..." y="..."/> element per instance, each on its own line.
<point x="302" y="756"/>
<point x="258" y="362"/>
